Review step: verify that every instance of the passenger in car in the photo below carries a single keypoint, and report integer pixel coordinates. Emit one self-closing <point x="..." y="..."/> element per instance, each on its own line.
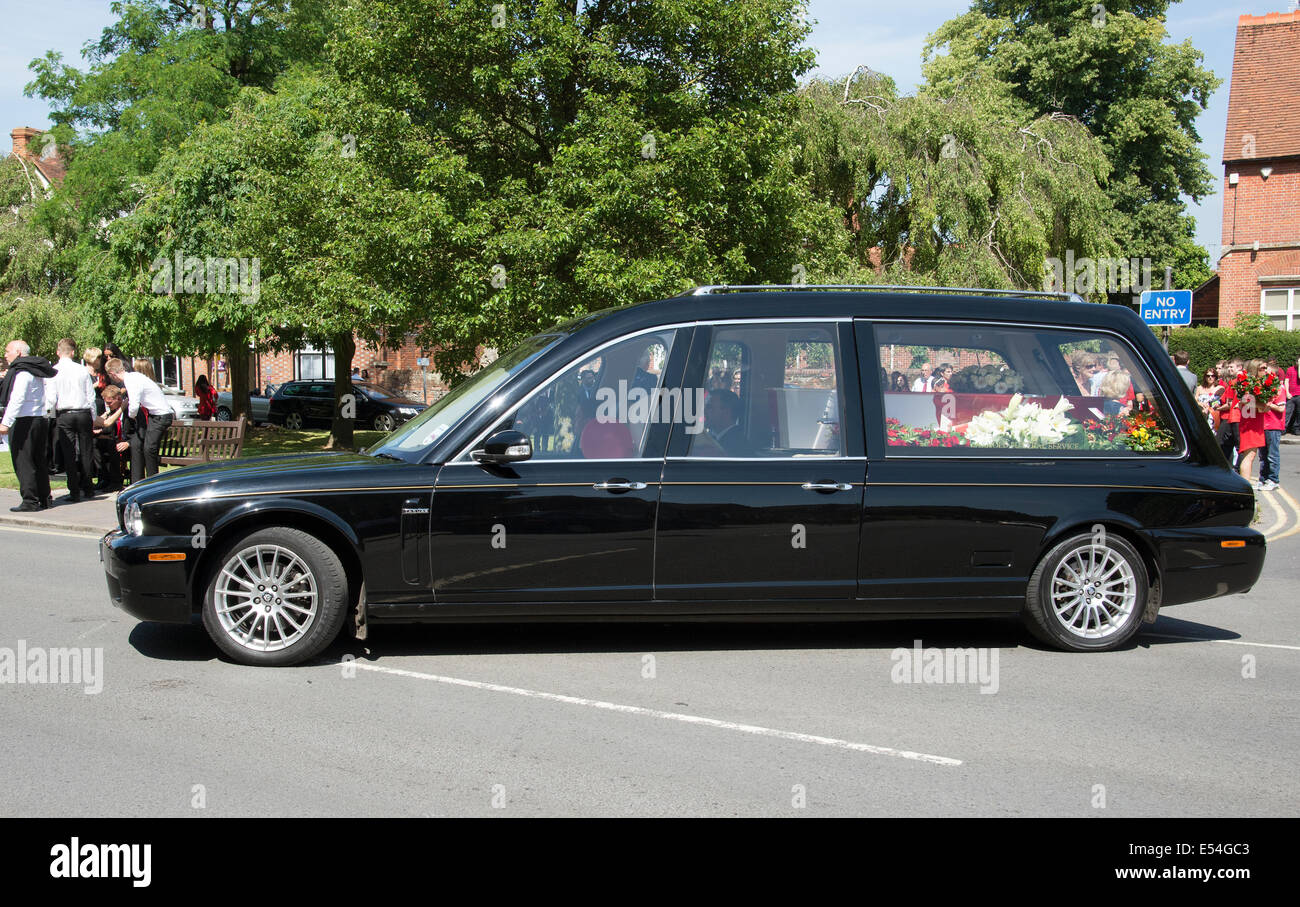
<point x="722" y="421"/>
<point x="603" y="440"/>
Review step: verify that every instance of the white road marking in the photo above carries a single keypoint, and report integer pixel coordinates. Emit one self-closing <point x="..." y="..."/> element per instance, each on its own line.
<point x="667" y="716"/>
<point x="1227" y="642"/>
<point x="88" y="534"/>
<point x="93" y="630"/>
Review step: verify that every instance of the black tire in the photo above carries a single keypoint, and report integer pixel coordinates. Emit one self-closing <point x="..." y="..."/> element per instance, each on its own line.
<point x="1107" y="609"/>
<point x="299" y="553"/>
<point x="294" y="421"/>
<point x="384" y="422"/>
<point x="223" y="414"/>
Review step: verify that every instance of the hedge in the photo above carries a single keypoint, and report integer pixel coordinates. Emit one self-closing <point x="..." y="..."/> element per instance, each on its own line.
<point x="1206" y="346"/>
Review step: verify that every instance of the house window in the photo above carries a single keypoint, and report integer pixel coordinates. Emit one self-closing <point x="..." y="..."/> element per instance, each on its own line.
<point x="310" y="362"/>
<point x="168" y="370"/>
<point x="1282" y="306"/>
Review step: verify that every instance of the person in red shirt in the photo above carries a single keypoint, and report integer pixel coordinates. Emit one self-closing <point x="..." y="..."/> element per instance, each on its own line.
<point x="1252" y="425"/>
<point x="1270" y="464"/>
<point x="1292" y="417"/>
<point x="1229" y="412"/>
<point x="207" y="396"/>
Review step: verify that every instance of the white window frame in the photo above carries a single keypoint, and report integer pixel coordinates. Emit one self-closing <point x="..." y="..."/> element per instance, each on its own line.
<point x="1292" y="312"/>
<point x="327" y="364"/>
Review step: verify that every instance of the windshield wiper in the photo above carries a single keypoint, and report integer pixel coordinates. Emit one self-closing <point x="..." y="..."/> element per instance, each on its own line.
<point x="388" y="456"/>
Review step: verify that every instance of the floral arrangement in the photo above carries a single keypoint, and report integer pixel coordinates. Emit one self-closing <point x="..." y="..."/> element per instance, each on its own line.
<point x="899" y="435"/>
<point x="1021" y="425"/>
<point x="1138" y="431"/>
<point x="1263" y="386"/>
<point x="986" y="379"/>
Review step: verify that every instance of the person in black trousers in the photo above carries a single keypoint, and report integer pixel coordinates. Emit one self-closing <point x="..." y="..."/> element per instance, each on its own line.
<point x="23" y="427"/>
<point x="71" y="394"/>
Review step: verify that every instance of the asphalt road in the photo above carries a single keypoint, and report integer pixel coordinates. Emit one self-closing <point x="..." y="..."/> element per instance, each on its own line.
<point x="1199" y="718"/>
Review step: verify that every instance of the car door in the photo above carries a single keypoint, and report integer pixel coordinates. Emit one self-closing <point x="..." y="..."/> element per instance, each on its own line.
<point x="762" y="500"/>
<point x="574" y="523"/>
<point x="965" y="483"/>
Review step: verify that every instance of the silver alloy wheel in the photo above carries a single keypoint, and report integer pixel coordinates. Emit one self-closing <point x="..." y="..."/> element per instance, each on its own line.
<point x="293" y="421"/>
<point x="1094" y="591"/>
<point x="384" y="422"/>
<point x="223" y="414"/>
<point x="266" y="598"/>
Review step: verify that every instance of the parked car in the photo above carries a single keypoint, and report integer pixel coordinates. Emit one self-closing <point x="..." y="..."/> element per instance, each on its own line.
<point x="297" y="404"/>
<point x="732" y="454"/>
<point x="259" y="405"/>
<point x="184" y="406"/>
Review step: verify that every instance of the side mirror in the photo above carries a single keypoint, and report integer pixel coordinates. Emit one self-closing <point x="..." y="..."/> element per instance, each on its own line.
<point x="504" y="447"/>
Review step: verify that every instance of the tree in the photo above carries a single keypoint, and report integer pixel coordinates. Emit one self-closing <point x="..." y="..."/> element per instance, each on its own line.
<point x="961" y="189"/>
<point x="616" y="151"/>
<point x="162" y="71"/>
<point x="31" y="307"/>
<point x="1109" y="66"/>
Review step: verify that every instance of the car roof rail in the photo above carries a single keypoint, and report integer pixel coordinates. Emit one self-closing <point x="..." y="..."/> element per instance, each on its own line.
<point x="712" y="289"/>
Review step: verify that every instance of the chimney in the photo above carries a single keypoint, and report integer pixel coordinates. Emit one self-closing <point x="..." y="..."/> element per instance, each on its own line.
<point x="22" y="136"/>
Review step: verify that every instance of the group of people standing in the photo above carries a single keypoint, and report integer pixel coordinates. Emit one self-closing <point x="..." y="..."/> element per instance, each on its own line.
<point x="94" y="413"/>
<point x="1244" y="427"/>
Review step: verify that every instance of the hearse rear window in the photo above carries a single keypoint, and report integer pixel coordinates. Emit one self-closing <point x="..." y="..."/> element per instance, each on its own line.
<point x="960" y="388"/>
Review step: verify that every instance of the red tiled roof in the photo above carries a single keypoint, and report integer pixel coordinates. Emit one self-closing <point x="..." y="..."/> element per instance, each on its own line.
<point x="1264" y="100"/>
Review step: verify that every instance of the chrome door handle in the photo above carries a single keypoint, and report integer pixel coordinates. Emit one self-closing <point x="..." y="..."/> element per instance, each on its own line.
<point x="827" y="486"/>
<point x="619" y="486"/>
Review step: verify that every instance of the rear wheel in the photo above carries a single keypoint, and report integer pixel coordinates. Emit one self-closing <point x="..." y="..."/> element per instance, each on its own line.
<point x="223" y="414"/>
<point x="293" y="421"/>
<point x="278" y="597"/>
<point x="1088" y="593"/>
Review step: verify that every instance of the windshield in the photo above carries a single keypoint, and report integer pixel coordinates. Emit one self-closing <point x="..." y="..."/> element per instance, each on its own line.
<point x="419" y="433"/>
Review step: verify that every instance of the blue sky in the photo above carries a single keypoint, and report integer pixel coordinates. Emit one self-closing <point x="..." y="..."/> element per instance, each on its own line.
<point x="887" y="36"/>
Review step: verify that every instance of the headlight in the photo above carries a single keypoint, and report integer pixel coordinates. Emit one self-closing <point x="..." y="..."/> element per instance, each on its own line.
<point x="407" y="410"/>
<point x="132" y="521"/>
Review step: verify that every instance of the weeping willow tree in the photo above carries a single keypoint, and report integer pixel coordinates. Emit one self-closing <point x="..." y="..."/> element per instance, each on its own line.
<point x="964" y="187"/>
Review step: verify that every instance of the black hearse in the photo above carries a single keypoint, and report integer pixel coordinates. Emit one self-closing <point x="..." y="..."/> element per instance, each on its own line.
<point x="735" y="453"/>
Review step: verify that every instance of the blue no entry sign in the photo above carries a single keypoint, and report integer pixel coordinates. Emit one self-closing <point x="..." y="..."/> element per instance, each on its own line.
<point x="1171" y="307"/>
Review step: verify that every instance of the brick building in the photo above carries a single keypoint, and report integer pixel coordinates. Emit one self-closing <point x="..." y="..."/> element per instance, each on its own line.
<point x="1259" y="270"/>
<point x="45" y="164"/>
<point x="395" y="368"/>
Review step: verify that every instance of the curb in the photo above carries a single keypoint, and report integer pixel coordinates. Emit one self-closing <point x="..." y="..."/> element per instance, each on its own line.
<point x="38" y="523"/>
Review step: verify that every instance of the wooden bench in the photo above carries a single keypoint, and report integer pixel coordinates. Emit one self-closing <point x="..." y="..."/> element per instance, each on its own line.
<point x="189" y="442"/>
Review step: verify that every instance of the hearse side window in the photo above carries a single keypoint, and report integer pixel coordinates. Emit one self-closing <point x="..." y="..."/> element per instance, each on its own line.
<point x="996" y="388"/>
<point x="602" y="407"/>
<point x="772" y="390"/>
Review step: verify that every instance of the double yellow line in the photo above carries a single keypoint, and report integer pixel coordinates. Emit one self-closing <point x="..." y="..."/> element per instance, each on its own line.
<point x="1285" y="510"/>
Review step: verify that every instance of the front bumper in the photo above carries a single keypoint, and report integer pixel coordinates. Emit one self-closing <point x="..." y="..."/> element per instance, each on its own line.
<point x="144" y="588"/>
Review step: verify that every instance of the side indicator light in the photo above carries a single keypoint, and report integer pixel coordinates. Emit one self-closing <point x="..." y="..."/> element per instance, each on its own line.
<point x="168" y="556"/>
<point x="1234" y="543"/>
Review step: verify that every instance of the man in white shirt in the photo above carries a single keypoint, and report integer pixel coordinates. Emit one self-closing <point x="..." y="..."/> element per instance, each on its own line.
<point x="152" y="415"/>
<point x="71" y="395"/>
<point x="925" y="382"/>
<point x="22" y="394"/>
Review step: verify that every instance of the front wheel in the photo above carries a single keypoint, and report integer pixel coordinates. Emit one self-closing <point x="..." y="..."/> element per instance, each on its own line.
<point x="223" y="414"/>
<point x="1088" y="593"/>
<point x="385" y="422"/>
<point x="278" y="597"/>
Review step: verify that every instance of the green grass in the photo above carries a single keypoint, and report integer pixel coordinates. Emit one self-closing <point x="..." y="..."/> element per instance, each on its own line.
<point x="260" y="442"/>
